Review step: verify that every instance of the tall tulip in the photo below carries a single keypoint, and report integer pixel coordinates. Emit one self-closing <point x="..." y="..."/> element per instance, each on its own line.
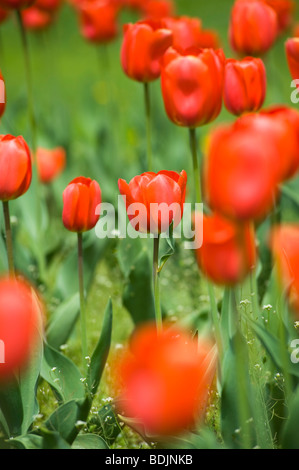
<point x="50" y="163"/>
<point x="292" y="54"/>
<point x="253" y="27"/>
<point x="188" y="32"/>
<point x="81" y="199"/>
<point x="285" y="10"/>
<point x="245" y="85"/>
<point x="98" y="20"/>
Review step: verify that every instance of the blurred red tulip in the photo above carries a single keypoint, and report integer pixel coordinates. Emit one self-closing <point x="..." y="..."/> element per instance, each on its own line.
<point x="165" y="379"/>
<point x="4" y="14"/>
<point x="240" y="178"/>
<point x="285" y="12"/>
<point x="50" y="163"/>
<point x="192" y="85"/>
<point x="228" y="251"/>
<point x="143" y="46"/>
<point x="292" y="53"/>
<point x="188" y="33"/>
<point x="281" y="124"/>
<point x="284" y="243"/>
<point x="21" y="324"/>
<point x="253" y="27"/>
<point x="158" y="199"/>
<point x="81" y="198"/>
<point x="158" y="8"/>
<point x="245" y="85"/>
<point x="2" y="95"/>
<point x="36" y="19"/>
<point x="48" y="5"/>
<point x="15" y="167"/>
<point x="98" y="20"/>
<point x="16" y="4"/>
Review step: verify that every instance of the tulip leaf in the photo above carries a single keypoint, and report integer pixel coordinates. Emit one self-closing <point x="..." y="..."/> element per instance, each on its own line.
<point x="11" y="408"/>
<point x="62" y="375"/>
<point x="106" y="424"/>
<point x="290" y="437"/>
<point x="62" y="322"/>
<point x="167" y="247"/>
<point x="28" y="441"/>
<point x="100" y="354"/>
<point x="89" y="441"/>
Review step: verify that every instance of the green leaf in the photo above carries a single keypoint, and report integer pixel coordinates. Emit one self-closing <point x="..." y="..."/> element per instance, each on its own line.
<point x="106" y="424"/>
<point x="290" y="436"/>
<point x="28" y="441"/>
<point x="11" y="407"/>
<point x="167" y="247"/>
<point x="89" y="441"/>
<point x="62" y="374"/>
<point x="100" y="354"/>
<point x="62" y="322"/>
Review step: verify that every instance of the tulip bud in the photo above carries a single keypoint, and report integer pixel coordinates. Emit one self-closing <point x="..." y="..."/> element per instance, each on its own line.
<point x="244" y="85"/>
<point x="158" y="198"/>
<point x="143" y="46"/>
<point x="80" y="200"/>
<point x="164" y="380"/>
<point x="21" y="323"/>
<point x="292" y="53"/>
<point x="192" y="85"/>
<point x="15" y="167"/>
<point x="228" y="251"/>
<point x="50" y="163"/>
<point x="253" y="27"/>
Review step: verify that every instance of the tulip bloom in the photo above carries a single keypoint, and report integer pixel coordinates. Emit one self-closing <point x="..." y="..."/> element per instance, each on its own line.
<point x="253" y="27"/>
<point x="192" y="85"/>
<point x="292" y="53"/>
<point x="15" y="167"/>
<point x="98" y="20"/>
<point x="285" y="11"/>
<point x="188" y="33"/>
<point x="36" y="19"/>
<point x="80" y="200"/>
<point x="165" y="379"/>
<point x="50" y="163"/>
<point x="143" y="46"/>
<point x="158" y="8"/>
<point x="284" y="243"/>
<point x="158" y="198"/>
<point x="228" y="251"/>
<point x="244" y="85"/>
<point x="21" y="322"/>
<point x="240" y="178"/>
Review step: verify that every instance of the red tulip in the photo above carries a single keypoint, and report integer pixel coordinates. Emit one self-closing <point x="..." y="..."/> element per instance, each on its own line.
<point x="188" y="33"/>
<point x="143" y="46"/>
<point x="158" y="8"/>
<point x="253" y="27"/>
<point x="4" y="14"/>
<point x="15" y="167"/>
<point x="81" y="198"/>
<point x="165" y="379"/>
<point x="192" y="85"/>
<point x="240" y="179"/>
<point x="285" y="10"/>
<point x="228" y="251"/>
<point x="15" y="4"/>
<point x="98" y="20"/>
<point x="21" y="322"/>
<point x="284" y="242"/>
<point x="50" y="163"/>
<point x="281" y="124"/>
<point x="36" y="19"/>
<point x="244" y="85"/>
<point x="2" y="95"/>
<point x="145" y="193"/>
<point x="292" y="53"/>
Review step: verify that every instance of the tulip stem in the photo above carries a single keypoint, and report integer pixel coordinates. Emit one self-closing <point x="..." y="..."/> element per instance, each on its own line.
<point x="196" y="172"/>
<point x="28" y="79"/>
<point x="82" y="298"/>
<point x="8" y="234"/>
<point x="156" y="274"/>
<point x="148" y="125"/>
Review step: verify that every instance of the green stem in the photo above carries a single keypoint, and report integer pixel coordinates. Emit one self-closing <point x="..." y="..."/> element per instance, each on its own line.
<point x="148" y="125"/>
<point x="82" y="299"/>
<point x="156" y="274"/>
<point x="28" y="80"/>
<point x="196" y="172"/>
<point x="215" y="318"/>
<point x="8" y="234"/>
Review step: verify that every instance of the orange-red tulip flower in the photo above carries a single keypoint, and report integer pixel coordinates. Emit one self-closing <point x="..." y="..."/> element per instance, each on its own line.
<point x="284" y="242"/>
<point x="158" y="8"/>
<point x="192" y="85"/>
<point x="292" y="53"/>
<point x="245" y="85"/>
<point x="36" y="19"/>
<point x="285" y="12"/>
<point x="157" y="198"/>
<point x="50" y="163"/>
<point x="164" y="380"/>
<point x="188" y="33"/>
<point x="253" y="27"/>
<point x="21" y="323"/>
<point x="81" y="199"/>
<point x="240" y="179"/>
<point x="98" y="20"/>
<point x="15" y="167"/>
<point x="143" y="46"/>
<point x="228" y="251"/>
